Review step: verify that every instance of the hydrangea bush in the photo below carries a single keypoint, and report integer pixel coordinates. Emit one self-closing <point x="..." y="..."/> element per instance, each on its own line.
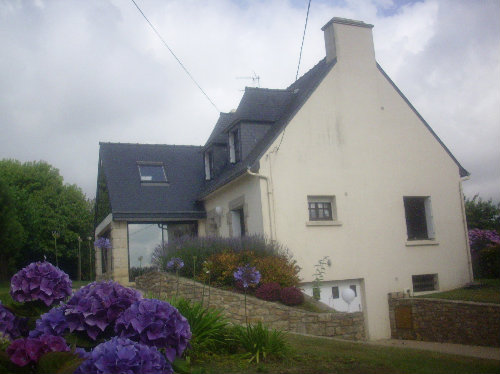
<point x="95" y="307"/>
<point x="121" y="355"/>
<point x="101" y="310"/>
<point x="11" y="326"/>
<point x="155" y="323"/>
<point x="29" y="350"/>
<point x="40" y="281"/>
<point x="51" y="323"/>
<point x="480" y="239"/>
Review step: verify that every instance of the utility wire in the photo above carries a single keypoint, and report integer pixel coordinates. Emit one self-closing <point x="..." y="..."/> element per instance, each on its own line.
<point x="173" y="54"/>
<point x="303" y="36"/>
<point x="297" y="75"/>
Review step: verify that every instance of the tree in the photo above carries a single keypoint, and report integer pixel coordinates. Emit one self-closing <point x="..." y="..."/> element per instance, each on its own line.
<point x="484" y="215"/>
<point x="12" y="234"/>
<point x="45" y="204"/>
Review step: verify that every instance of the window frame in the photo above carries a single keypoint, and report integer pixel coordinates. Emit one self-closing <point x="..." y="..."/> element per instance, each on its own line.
<point x="209" y="164"/>
<point x="419" y="219"/>
<point x="329" y="200"/>
<point x="234" y="146"/>
<point x="417" y="283"/>
<point x="152" y="164"/>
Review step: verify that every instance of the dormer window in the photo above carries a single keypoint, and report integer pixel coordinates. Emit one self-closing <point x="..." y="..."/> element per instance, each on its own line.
<point x="234" y="146"/>
<point x="209" y="165"/>
<point x="152" y="172"/>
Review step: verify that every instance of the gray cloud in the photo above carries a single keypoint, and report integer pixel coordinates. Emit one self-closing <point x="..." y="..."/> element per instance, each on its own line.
<point x="76" y="73"/>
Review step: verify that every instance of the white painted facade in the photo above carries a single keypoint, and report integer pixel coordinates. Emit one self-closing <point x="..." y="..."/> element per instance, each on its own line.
<point x="357" y="141"/>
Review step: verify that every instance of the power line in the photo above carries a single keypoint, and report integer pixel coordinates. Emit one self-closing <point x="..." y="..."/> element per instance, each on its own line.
<point x="303" y="36"/>
<point x="173" y="54"/>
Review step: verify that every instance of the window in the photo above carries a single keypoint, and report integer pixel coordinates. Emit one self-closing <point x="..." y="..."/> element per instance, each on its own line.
<point x="234" y="146"/>
<point x="353" y="287"/>
<point x="209" y="165"/>
<point x="152" y="172"/>
<point x="425" y="282"/>
<point x="322" y="208"/>
<point x="335" y="292"/>
<point x="238" y="222"/>
<point x="419" y="225"/>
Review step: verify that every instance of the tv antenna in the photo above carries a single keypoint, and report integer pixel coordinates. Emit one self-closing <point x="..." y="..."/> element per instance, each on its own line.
<point x="255" y="79"/>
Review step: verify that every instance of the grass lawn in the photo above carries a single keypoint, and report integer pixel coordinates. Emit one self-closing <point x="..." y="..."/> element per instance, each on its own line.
<point x="487" y="292"/>
<point x="316" y="355"/>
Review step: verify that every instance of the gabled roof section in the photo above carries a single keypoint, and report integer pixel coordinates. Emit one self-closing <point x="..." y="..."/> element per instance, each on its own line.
<point x="262" y="105"/>
<point x="292" y="100"/>
<point x="463" y="172"/>
<point x="217" y="136"/>
<point x="132" y="200"/>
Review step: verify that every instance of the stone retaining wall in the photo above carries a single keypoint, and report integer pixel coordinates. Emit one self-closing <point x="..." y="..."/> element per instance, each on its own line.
<point x="274" y="315"/>
<point x="449" y="321"/>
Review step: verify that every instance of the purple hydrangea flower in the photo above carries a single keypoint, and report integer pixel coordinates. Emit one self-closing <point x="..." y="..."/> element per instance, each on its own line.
<point x="97" y="305"/>
<point x="51" y="323"/>
<point x="10" y="325"/>
<point x="480" y="239"/>
<point x="120" y="355"/>
<point x="40" y="281"/>
<point x="175" y="263"/>
<point x="103" y="243"/>
<point x="155" y="323"/>
<point x="247" y="275"/>
<point x="29" y="350"/>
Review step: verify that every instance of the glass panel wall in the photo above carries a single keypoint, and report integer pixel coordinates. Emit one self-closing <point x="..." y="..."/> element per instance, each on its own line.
<point x="143" y="238"/>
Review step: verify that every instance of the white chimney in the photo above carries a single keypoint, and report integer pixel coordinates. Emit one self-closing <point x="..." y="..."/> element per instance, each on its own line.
<point x="349" y="41"/>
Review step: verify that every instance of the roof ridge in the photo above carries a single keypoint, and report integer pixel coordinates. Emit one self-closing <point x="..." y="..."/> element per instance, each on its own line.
<point x="267" y="89"/>
<point x="151" y="144"/>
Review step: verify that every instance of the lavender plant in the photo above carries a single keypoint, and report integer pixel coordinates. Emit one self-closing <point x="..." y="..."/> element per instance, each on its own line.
<point x="40" y="281"/>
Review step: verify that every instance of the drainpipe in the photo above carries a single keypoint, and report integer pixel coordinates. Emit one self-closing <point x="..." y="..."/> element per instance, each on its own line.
<point x="466" y="231"/>
<point x="269" y="193"/>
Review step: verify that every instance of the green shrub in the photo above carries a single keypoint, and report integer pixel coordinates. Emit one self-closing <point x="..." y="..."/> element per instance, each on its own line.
<point x="261" y="343"/>
<point x="226" y="254"/>
<point x="488" y="264"/>
<point x="208" y="325"/>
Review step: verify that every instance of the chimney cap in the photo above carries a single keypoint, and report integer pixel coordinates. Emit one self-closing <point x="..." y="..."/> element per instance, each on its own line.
<point x="346" y="21"/>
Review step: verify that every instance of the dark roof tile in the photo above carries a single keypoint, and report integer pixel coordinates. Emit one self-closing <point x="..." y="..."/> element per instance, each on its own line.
<point x="132" y="199"/>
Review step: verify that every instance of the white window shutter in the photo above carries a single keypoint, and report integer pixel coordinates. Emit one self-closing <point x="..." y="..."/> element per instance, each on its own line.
<point x="429" y="219"/>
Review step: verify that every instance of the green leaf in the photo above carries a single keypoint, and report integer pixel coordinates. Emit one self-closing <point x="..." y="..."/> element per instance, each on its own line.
<point x="59" y="363"/>
<point x="180" y="366"/>
<point x="80" y="341"/>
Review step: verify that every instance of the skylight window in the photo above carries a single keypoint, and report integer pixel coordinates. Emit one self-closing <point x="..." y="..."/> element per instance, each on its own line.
<point x="152" y="173"/>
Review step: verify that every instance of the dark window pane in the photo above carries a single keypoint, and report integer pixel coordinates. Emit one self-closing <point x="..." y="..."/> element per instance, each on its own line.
<point x="353" y="287"/>
<point x="416" y="224"/>
<point x="424" y="282"/>
<point x="335" y="292"/>
<point x="152" y="173"/>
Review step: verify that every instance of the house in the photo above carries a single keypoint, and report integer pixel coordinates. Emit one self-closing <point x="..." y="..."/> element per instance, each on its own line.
<point x="339" y="164"/>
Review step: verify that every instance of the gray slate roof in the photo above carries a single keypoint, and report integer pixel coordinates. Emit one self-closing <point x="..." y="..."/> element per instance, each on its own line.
<point x="258" y="100"/>
<point x="132" y="200"/>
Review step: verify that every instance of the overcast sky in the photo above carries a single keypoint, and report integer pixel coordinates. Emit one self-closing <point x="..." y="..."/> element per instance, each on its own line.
<point x="74" y="73"/>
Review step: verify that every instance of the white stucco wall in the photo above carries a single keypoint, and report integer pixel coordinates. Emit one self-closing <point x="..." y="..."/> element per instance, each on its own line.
<point x="356" y="139"/>
<point x="246" y="189"/>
